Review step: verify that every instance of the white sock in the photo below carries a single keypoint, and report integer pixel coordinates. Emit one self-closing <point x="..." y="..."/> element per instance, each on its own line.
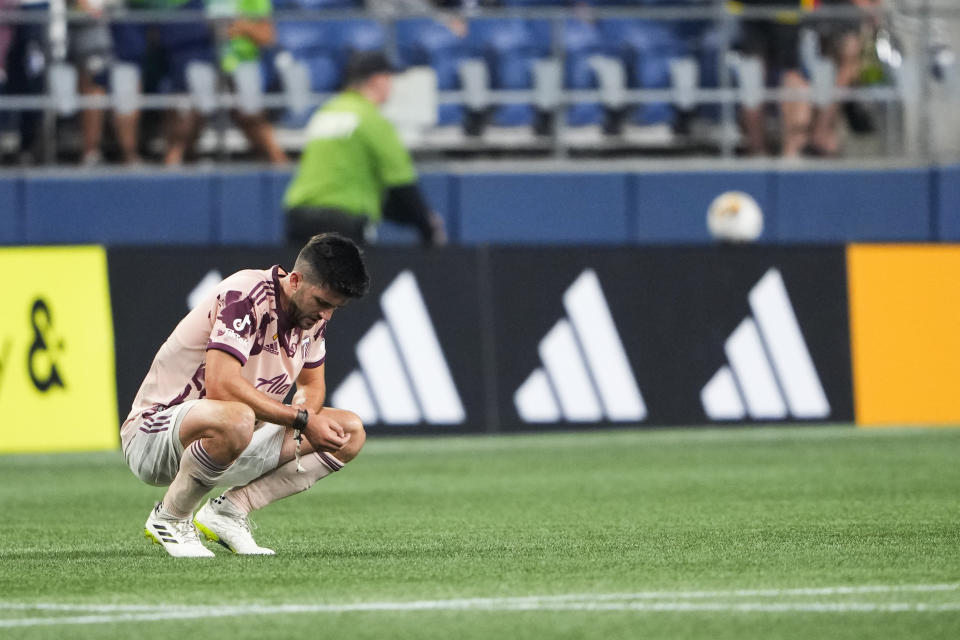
<point x="282" y="482"/>
<point x="197" y="475"/>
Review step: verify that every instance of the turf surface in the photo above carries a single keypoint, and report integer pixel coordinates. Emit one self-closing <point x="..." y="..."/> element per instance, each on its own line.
<point x="736" y="533"/>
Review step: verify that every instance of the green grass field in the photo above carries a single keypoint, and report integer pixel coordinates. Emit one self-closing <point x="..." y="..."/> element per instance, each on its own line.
<point x="816" y="532"/>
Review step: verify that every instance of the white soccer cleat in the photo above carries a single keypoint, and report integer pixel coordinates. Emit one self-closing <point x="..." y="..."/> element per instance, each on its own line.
<point x="232" y="531"/>
<point x="178" y="537"/>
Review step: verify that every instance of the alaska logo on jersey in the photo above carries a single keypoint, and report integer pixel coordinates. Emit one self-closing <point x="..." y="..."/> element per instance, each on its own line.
<point x="277" y="385"/>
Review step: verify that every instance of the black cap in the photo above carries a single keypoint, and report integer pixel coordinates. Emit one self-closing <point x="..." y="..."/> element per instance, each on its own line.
<point x="363" y="64"/>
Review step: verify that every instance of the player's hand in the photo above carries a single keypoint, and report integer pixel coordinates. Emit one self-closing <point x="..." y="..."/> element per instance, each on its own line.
<point x="325" y="434"/>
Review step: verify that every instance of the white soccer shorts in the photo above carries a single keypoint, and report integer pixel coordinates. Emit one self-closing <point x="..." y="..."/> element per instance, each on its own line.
<point x="154" y="451"/>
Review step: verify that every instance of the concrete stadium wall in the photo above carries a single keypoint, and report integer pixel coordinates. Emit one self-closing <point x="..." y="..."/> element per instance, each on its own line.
<point x="244" y="208"/>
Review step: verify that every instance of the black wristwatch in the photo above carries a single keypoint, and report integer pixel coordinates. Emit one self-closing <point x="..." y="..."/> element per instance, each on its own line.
<point x="300" y="422"/>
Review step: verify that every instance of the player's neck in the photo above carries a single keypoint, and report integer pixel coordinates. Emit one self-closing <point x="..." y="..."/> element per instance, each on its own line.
<point x="284" y="293"/>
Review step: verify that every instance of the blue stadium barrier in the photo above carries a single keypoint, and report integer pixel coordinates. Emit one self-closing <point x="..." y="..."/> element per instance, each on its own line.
<point x="672" y="207"/>
<point x="244" y="207"/>
<point x="277" y="182"/>
<point x="847" y="206"/>
<point x="152" y="209"/>
<point x="543" y="208"/>
<point x="11" y="220"/>
<point x="239" y="203"/>
<point x="947" y="205"/>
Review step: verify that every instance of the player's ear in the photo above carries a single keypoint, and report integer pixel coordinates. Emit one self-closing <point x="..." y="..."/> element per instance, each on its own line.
<point x="295" y="280"/>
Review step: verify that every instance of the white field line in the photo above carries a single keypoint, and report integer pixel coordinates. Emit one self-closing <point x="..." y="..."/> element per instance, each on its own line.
<point x="649" y="601"/>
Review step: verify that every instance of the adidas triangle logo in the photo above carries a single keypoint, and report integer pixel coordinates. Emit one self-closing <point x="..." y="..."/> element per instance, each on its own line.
<point x="770" y="374"/>
<point x="403" y="376"/>
<point x="585" y="376"/>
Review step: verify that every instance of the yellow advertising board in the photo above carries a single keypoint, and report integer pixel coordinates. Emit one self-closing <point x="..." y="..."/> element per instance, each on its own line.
<point x="905" y="333"/>
<point x="57" y="380"/>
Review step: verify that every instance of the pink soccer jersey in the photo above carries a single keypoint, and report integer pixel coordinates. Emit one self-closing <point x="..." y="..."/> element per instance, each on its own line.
<point x="242" y="317"/>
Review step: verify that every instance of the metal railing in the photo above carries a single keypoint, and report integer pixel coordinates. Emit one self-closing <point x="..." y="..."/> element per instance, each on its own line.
<point x="908" y="99"/>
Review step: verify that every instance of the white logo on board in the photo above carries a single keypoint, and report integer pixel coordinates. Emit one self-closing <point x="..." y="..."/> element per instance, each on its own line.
<point x="403" y="376"/>
<point x="770" y="373"/>
<point x="585" y="376"/>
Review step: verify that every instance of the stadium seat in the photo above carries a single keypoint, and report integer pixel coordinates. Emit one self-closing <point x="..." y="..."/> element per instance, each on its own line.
<point x="313" y="44"/>
<point x="325" y="72"/>
<point x="536" y="3"/>
<point x="653" y="3"/>
<point x="510" y="46"/>
<point x="328" y="4"/>
<point x="581" y="40"/>
<point x="423" y="41"/>
<point x="299" y="37"/>
<point x="358" y="35"/>
<point x="646" y="48"/>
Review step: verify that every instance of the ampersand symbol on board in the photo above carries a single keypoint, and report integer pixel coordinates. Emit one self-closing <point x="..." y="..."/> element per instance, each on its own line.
<point x="42" y="321"/>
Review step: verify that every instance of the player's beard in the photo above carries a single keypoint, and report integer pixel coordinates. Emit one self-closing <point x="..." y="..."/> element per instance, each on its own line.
<point x="298" y="317"/>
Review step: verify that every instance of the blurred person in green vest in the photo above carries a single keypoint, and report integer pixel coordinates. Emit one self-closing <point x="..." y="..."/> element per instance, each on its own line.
<point x="243" y="27"/>
<point x="355" y="170"/>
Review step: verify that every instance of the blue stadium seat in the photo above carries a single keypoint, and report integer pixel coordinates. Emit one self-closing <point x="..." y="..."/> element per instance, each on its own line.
<point x="299" y="37"/>
<point x="510" y="47"/>
<point x="536" y="3"/>
<point x="325" y="72"/>
<point x="708" y="59"/>
<point x="646" y="47"/>
<point x="314" y="44"/>
<point x="329" y="4"/>
<point x="581" y="40"/>
<point x="359" y="35"/>
<point x="428" y="42"/>
<point x="653" y="3"/>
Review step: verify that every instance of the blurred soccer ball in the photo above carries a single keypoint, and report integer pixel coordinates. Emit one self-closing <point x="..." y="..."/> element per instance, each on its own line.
<point x="735" y="216"/>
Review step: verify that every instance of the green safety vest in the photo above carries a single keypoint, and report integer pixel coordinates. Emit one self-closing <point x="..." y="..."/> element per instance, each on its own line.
<point x="352" y="156"/>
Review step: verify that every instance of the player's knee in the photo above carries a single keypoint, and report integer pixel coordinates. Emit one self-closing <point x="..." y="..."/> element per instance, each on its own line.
<point x="353" y="425"/>
<point x="236" y="426"/>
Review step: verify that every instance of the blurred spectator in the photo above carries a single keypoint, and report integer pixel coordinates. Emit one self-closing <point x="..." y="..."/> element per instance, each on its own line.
<point x="182" y="44"/>
<point x="841" y="41"/>
<point x="26" y="75"/>
<point x="90" y="50"/>
<point x="397" y="8"/>
<point x="6" y="39"/>
<point x="131" y="42"/>
<point x="244" y="27"/>
<point x="354" y="169"/>
<point x="777" y="42"/>
<point x="452" y="13"/>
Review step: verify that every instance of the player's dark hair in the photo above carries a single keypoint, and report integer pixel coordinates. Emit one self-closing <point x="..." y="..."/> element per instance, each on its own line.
<point x="334" y="261"/>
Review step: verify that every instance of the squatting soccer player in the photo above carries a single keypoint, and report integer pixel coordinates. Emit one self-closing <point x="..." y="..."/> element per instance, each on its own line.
<point x="210" y="411"/>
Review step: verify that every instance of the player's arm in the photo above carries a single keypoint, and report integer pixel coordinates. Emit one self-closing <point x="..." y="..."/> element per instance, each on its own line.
<point x="311" y="392"/>
<point x="311" y="388"/>
<point x="224" y="382"/>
